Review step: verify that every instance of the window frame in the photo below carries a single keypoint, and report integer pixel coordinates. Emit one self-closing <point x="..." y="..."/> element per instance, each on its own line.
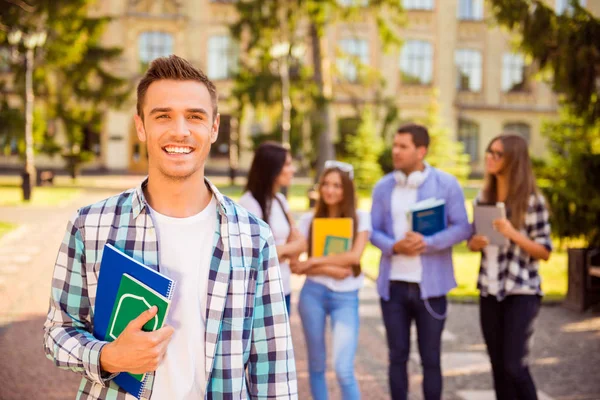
<point x="459" y="77"/>
<point x="421" y="57"/>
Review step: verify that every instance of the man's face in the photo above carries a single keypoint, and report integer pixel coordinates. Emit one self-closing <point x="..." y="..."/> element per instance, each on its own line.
<point x="178" y="127"/>
<point x="405" y="155"/>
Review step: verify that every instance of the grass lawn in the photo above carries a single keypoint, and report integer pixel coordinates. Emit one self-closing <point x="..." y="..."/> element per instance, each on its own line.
<point x="5" y="227"/>
<point x="12" y="195"/>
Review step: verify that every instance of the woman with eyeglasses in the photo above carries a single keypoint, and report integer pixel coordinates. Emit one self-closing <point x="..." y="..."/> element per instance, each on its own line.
<point x="271" y="170"/>
<point x="509" y="280"/>
<point x="331" y="287"/>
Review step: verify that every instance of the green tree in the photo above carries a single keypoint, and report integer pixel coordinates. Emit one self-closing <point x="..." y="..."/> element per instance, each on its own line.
<point x="72" y="76"/>
<point x="363" y="150"/>
<point x="301" y="23"/>
<point x="567" y="46"/>
<point x="444" y="152"/>
<point x="570" y="178"/>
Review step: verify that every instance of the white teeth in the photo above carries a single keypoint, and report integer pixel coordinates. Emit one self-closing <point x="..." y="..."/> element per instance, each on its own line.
<point x="178" y="150"/>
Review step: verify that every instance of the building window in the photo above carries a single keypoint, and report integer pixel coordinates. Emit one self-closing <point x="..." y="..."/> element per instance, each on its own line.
<point x="153" y="45"/>
<point x="520" y="128"/>
<point x="513" y="72"/>
<point x="470" y="10"/>
<point x="353" y="3"/>
<point x="356" y="54"/>
<point x="347" y="128"/>
<point x="418" y="4"/>
<point x="222" y="57"/>
<point x="469" y="69"/>
<point x="416" y="62"/>
<point x="563" y="6"/>
<point x="468" y="135"/>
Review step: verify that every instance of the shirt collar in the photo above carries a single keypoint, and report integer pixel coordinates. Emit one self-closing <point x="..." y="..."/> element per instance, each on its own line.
<point x="139" y="202"/>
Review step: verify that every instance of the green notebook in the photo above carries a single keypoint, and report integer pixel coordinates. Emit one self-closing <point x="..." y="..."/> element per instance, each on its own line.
<point x="133" y="298"/>
<point x="336" y="245"/>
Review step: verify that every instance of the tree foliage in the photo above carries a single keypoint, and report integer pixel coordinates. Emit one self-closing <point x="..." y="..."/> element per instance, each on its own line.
<point x="570" y="178"/>
<point x="302" y="24"/>
<point x="363" y="150"/>
<point x="567" y="45"/>
<point x="73" y="80"/>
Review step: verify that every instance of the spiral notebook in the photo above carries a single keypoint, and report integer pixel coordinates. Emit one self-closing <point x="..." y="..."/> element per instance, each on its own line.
<point x="122" y="278"/>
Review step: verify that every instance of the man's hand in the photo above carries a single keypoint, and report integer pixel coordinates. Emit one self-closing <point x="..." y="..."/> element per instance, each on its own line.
<point x="413" y="244"/>
<point x="477" y="242"/>
<point x="136" y="351"/>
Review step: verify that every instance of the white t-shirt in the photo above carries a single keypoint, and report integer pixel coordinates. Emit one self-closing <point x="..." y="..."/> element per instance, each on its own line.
<point x="338" y="285"/>
<point x="404" y="268"/>
<point x="185" y="250"/>
<point x="280" y="227"/>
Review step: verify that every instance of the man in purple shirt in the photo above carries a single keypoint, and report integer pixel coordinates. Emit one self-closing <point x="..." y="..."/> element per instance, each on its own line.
<point x="415" y="272"/>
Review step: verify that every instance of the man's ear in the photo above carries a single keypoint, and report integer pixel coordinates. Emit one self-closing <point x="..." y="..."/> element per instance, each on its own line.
<point x="214" y="132"/>
<point x="422" y="151"/>
<point x="139" y="128"/>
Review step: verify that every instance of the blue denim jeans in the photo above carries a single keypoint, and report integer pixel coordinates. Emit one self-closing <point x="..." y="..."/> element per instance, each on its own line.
<point x="507" y="328"/>
<point x="316" y="302"/>
<point x="404" y="306"/>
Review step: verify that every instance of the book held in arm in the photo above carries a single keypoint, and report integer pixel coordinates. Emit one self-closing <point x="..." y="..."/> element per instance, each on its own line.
<point x="333" y="236"/>
<point x="126" y="288"/>
<point x="484" y="216"/>
<point x="427" y="217"/>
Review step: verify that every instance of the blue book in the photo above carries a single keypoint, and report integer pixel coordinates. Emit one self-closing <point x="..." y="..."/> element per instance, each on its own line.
<point x="116" y="268"/>
<point x="427" y="217"/>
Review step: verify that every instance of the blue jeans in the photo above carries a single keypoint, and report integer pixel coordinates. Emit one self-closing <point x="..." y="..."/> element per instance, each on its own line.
<point x="404" y="305"/>
<point x="507" y="328"/>
<point x="316" y="302"/>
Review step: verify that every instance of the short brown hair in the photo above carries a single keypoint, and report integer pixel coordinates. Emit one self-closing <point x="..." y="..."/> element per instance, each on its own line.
<point x="419" y="133"/>
<point x="178" y="69"/>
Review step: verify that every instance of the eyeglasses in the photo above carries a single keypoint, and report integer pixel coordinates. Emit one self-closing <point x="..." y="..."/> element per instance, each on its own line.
<point x="349" y="169"/>
<point x="496" y="155"/>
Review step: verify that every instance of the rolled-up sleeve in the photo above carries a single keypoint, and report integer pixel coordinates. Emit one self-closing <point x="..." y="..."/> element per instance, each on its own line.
<point x="538" y="221"/>
<point x="68" y="340"/>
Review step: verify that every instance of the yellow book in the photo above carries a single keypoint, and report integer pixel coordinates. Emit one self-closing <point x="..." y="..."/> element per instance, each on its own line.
<point x="331" y="236"/>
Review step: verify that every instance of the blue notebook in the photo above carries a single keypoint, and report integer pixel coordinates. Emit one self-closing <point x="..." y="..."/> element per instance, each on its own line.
<point x="427" y="217"/>
<point x="113" y="266"/>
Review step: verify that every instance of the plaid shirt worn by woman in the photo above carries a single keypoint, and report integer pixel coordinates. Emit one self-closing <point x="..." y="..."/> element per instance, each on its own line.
<point x="248" y="342"/>
<point x="517" y="271"/>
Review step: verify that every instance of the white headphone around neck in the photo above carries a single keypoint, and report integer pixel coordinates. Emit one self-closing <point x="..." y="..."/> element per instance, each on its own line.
<point x="414" y="180"/>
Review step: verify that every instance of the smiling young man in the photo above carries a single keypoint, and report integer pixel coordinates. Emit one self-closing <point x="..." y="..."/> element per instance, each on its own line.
<point x="227" y="333"/>
<point x="415" y="272"/>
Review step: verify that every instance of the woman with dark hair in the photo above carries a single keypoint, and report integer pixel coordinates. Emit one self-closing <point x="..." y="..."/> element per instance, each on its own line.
<point x="509" y="280"/>
<point x="332" y="285"/>
<point x="271" y="170"/>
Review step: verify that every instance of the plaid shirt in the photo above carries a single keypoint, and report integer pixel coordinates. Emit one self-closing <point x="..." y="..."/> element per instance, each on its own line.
<point x="518" y="272"/>
<point x="248" y="340"/>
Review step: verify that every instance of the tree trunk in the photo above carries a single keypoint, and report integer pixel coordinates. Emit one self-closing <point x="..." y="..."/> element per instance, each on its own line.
<point x="326" y="150"/>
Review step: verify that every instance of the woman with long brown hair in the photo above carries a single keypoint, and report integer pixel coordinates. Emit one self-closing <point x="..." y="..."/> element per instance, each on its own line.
<point x="331" y="287"/>
<point x="509" y="280"/>
<point x="271" y="170"/>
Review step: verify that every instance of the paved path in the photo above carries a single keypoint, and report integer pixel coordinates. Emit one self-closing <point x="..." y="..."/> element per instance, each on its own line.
<point x="565" y="356"/>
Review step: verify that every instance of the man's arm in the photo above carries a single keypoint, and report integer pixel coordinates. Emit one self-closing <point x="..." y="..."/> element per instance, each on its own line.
<point x="271" y="367"/>
<point x="68" y="340"/>
<point x="379" y="238"/>
<point x="458" y="229"/>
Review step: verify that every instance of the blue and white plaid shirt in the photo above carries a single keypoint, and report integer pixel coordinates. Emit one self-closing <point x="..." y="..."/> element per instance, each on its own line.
<point x="248" y="340"/>
<point x="517" y="271"/>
